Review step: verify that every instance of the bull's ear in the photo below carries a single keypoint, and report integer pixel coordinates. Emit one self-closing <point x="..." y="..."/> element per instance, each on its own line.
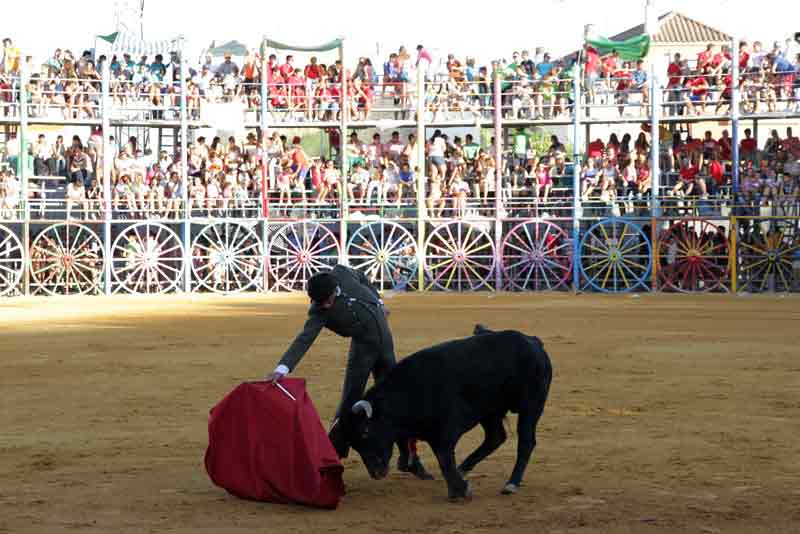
<point x="363" y="406"/>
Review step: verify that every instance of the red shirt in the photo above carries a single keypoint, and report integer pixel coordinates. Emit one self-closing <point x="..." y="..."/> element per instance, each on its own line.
<point x="609" y="64"/>
<point x="744" y="59"/>
<point x="624" y="79"/>
<point x="674" y="72"/>
<point x="717" y="60"/>
<point x="688" y="173"/>
<point x="717" y="172"/>
<point x="703" y="58"/>
<point x="313" y="72"/>
<point x="748" y="145"/>
<point x="286" y="70"/>
<point x="725" y="148"/>
<point x="698" y="86"/>
<point x="596" y="149"/>
<point x="592" y="59"/>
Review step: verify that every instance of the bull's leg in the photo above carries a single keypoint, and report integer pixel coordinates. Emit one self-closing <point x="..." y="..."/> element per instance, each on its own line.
<point x="528" y="418"/>
<point x="494" y="436"/>
<point x="457" y="487"/>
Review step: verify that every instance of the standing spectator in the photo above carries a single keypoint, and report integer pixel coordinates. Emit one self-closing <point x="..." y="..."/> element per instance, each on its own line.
<point x="748" y="147"/>
<point x="11" y="57"/>
<point x="675" y="84"/>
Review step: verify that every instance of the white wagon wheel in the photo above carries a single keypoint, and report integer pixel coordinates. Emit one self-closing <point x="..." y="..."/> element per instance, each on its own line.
<point x="226" y="258"/>
<point x="12" y="260"/>
<point x="147" y="258"/>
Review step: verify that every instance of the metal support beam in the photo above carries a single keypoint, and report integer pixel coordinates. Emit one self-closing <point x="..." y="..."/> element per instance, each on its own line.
<point x="655" y="142"/>
<point x="422" y="212"/>
<point x="184" y="143"/>
<point x="735" y="102"/>
<point x="576" y="172"/>
<point x="343" y="203"/>
<point x="105" y="117"/>
<point x="498" y="174"/>
<point x="22" y="172"/>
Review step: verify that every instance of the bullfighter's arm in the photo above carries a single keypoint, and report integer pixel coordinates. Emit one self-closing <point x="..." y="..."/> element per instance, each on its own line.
<point x="301" y="343"/>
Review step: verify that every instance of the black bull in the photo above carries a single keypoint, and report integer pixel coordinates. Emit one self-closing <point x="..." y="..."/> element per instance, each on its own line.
<point x="440" y="393"/>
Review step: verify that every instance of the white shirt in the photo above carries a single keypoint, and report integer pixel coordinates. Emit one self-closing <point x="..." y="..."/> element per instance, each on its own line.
<point x="437" y="148"/>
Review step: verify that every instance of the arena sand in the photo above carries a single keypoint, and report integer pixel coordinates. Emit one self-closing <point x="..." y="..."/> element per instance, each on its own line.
<point x="667" y="414"/>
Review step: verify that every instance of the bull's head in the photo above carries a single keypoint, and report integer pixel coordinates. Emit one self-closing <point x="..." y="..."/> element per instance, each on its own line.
<point x="368" y="433"/>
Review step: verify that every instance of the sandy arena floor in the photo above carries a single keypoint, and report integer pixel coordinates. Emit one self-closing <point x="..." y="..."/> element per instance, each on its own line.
<point x="667" y="414"/>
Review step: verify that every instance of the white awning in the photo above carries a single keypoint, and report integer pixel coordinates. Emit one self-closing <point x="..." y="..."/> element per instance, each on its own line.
<point x="128" y="43"/>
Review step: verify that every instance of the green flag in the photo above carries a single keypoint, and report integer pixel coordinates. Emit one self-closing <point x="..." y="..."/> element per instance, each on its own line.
<point x="629" y="50"/>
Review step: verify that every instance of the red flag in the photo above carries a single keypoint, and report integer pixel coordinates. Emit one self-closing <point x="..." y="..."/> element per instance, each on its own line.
<point x="264" y="445"/>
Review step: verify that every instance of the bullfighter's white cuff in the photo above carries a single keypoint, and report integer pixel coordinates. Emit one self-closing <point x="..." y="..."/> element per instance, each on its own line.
<point x="282" y="369"/>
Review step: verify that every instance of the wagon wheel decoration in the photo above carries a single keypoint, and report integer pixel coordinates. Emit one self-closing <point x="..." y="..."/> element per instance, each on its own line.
<point x="147" y="258"/>
<point x="693" y="257"/>
<point x="459" y="257"/>
<point x="386" y="253"/>
<point x="536" y="256"/>
<point x="299" y="250"/>
<point x="12" y="261"/>
<point x="226" y="258"/>
<point x="67" y="259"/>
<point x="615" y="256"/>
<point x="767" y="260"/>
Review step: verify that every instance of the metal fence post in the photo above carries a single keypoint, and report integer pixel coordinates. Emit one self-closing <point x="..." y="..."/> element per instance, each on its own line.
<point x="422" y="213"/>
<point x="343" y="204"/>
<point x="576" y="173"/>
<point x="735" y="101"/>
<point x="187" y="252"/>
<point x="498" y="163"/>
<point x="105" y="120"/>
<point x="22" y="173"/>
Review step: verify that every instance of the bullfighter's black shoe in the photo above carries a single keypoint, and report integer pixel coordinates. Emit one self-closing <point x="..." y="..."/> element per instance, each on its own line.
<point x="414" y="466"/>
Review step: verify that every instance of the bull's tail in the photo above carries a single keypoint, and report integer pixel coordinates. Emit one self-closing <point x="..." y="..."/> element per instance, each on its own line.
<point x="480" y="330"/>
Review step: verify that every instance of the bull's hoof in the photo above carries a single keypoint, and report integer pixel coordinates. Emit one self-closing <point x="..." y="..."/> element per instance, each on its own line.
<point x="509" y="489"/>
<point x="414" y="467"/>
<point x="462" y="496"/>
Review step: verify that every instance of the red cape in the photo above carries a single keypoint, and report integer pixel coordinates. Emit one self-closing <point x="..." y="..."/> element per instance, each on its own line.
<point x="262" y="445"/>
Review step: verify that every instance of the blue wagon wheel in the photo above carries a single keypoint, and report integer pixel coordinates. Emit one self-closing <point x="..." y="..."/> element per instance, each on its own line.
<point x="386" y="252"/>
<point x="615" y="256"/>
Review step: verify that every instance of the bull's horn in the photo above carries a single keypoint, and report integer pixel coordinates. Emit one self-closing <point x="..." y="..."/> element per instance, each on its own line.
<point x="364" y="406"/>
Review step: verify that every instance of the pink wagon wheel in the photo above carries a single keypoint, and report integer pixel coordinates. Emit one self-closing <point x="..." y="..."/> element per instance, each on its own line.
<point x="299" y="250"/>
<point x="459" y="256"/>
<point x="536" y="256"/>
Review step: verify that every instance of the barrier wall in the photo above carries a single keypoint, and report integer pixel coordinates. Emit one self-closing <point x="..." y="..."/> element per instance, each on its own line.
<point x="612" y="255"/>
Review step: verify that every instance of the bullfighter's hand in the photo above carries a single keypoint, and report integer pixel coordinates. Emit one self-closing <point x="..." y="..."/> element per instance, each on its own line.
<point x="274" y="377"/>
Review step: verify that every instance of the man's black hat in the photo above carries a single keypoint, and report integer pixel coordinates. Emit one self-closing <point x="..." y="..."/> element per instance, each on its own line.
<point x="321" y="286"/>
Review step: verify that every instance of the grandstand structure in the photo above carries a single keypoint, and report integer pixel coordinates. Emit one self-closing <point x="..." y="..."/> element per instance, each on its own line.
<point x="507" y="240"/>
